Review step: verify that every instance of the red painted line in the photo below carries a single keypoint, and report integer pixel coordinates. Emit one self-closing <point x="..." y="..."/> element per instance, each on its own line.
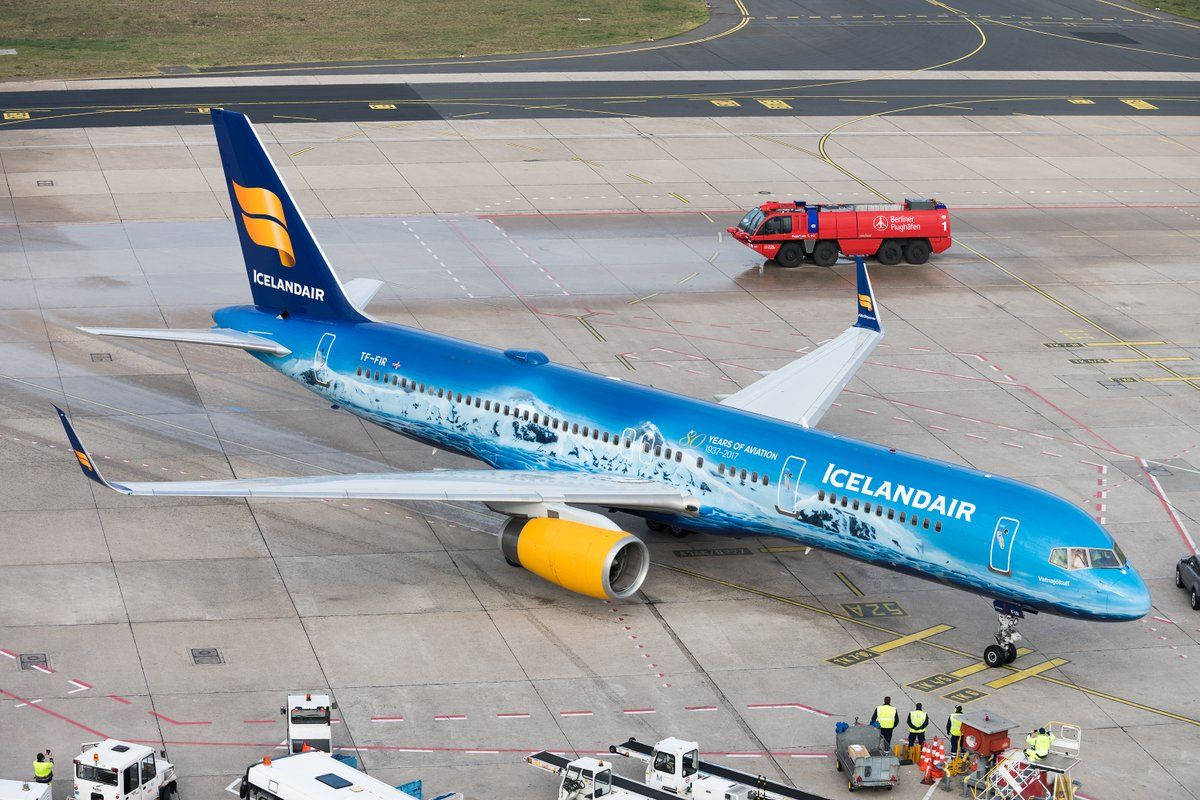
<point x="167" y="719"/>
<point x="46" y="670"/>
<point x="120" y="699"/>
<point x="699" y="708"/>
<point x="54" y="714"/>
<point x="8" y="653"/>
<point x="387" y="719"/>
<point x="1164" y="619"/>
<point x="514" y="715"/>
<point x="81" y="684"/>
<point x="637" y="711"/>
<point x="260" y="721"/>
<point x="449" y="716"/>
<point x="574" y="713"/>
<point x="799" y="706"/>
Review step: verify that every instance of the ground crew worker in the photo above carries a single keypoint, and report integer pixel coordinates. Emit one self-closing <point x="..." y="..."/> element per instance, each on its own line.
<point x="918" y="721"/>
<point x="1037" y="745"/>
<point x="954" y="729"/>
<point x="886" y="715"/>
<point x="43" y="768"/>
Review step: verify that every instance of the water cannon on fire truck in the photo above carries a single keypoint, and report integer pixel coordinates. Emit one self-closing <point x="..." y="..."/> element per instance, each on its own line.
<point x="791" y="232"/>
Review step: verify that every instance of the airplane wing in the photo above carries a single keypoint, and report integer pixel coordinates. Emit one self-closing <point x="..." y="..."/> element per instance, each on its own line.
<point x="802" y="391"/>
<point x="496" y="487"/>
<point x="222" y="337"/>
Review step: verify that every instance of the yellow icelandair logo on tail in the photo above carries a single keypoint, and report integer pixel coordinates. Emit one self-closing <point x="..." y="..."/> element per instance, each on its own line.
<point x="83" y="460"/>
<point x="864" y="302"/>
<point x="265" y="223"/>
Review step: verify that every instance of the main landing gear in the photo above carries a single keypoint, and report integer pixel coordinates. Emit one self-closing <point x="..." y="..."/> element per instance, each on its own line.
<point x="1004" y="651"/>
<point x="659" y="527"/>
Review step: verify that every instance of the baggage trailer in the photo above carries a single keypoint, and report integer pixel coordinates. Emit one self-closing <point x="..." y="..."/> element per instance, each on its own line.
<point x="863" y="756"/>
<point x="674" y="765"/>
<point x="25" y="790"/>
<point x="791" y="232"/>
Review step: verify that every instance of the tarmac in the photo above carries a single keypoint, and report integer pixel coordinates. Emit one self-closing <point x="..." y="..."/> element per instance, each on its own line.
<point x="1055" y="342"/>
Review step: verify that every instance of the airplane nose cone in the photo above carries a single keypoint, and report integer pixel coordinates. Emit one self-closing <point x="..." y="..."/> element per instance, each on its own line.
<point x="1129" y="598"/>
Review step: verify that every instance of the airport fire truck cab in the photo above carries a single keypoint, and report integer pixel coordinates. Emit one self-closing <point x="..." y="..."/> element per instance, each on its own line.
<point x="114" y="770"/>
<point x="309" y="723"/>
<point x="789" y="232"/>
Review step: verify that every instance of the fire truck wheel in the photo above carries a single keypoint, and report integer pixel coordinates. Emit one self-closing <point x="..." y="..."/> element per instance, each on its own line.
<point x="889" y="253"/>
<point x="825" y="253"/>
<point x="916" y="251"/>
<point x="790" y="255"/>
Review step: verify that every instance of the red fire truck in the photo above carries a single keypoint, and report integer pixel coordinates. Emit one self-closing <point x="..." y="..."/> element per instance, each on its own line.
<point x="787" y="232"/>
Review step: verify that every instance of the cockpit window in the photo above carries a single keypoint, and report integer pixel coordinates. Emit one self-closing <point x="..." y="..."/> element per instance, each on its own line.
<point x="1076" y="558"/>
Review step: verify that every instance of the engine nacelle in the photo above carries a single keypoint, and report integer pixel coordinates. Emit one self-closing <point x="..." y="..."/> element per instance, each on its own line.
<point x="597" y="562"/>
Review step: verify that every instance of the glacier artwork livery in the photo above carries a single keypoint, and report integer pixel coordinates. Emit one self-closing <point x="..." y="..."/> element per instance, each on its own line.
<point x="561" y="444"/>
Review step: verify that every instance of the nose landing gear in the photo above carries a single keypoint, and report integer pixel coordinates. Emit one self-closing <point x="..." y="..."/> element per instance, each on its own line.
<point x="1004" y="651"/>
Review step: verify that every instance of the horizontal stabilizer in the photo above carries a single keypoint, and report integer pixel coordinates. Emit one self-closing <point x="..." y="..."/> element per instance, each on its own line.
<point x="221" y="337"/>
<point x="361" y="291"/>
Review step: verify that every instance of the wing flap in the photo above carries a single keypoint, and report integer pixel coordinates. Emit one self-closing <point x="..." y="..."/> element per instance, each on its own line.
<point x="221" y="337"/>
<point x="802" y="391"/>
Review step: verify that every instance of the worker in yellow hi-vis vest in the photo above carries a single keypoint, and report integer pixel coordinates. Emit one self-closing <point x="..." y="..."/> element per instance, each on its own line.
<point x="886" y="715"/>
<point x="954" y="729"/>
<point x="43" y="767"/>
<point x="918" y="721"/>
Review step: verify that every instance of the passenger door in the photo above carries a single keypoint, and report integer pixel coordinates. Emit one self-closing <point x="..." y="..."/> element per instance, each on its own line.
<point x="1000" y="559"/>
<point x="788" y="495"/>
<point x="148" y="774"/>
<point x="321" y="360"/>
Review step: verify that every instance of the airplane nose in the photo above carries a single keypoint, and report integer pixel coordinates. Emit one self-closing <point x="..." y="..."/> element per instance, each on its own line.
<point x="1129" y="598"/>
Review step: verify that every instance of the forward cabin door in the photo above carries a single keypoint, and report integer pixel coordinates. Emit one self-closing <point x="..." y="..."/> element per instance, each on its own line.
<point x="788" y="494"/>
<point x="1000" y="559"/>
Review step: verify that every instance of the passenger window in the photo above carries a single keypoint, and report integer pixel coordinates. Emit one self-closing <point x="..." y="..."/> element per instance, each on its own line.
<point x="844" y="503"/>
<point x="766" y="480"/>
<point x="376" y="374"/>
<point x="754" y="477"/>
<point x="720" y="469"/>
<point x="854" y="505"/>
<point x="148" y="769"/>
<point x="937" y="527"/>
<point x="743" y="475"/>
<point x="525" y="415"/>
<point x="575" y="428"/>
<point x="925" y="523"/>
<point x="395" y="380"/>
<point x="901" y="516"/>
<point x="821" y="495"/>
<point x="604" y="438"/>
<point x="678" y="456"/>
<point x="596" y="434"/>
<point x="658" y="450"/>
<point x="441" y="392"/>
<point x="667" y="454"/>
<point x="358" y="372"/>
<point x="421" y="388"/>
<point x="833" y="498"/>
<point x="866" y="508"/>
<point x="700" y="462"/>
<point x="879" y="511"/>
<point x="914" y="520"/>
<point x="892" y="514"/>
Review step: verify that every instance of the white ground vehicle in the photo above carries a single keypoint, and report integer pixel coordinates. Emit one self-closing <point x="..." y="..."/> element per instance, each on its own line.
<point x="24" y="790"/>
<point x="312" y="776"/>
<point x="674" y="765"/>
<point x="115" y="770"/>
<point x="309" y="722"/>
<point x="587" y="778"/>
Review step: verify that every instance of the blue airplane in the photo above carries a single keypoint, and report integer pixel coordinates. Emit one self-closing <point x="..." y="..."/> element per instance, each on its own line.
<point x="561" y="443"/>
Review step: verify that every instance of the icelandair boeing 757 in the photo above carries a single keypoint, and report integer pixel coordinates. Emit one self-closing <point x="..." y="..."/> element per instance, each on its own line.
<point x="561" y="442"/>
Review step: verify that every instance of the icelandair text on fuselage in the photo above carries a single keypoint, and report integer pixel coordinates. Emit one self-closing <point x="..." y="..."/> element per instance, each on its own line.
<point x="898" y="493"/>
<point x="291" y="287"/>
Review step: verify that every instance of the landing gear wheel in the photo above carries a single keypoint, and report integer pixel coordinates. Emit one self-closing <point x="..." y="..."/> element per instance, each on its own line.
<point x="1010" y="653"/>
<point x="656" y="526"/>
<point x="678" y="532"/>
<point x="838" y="763"/>
<point x="993" y="656"/>
<point x="1178" y="578"/>
<point x="512" y="563"/>
<point x="889" y="254"/>
<point x="917" y="251"/>
<point x="790" y="255"/>
<point x="1195" y="600"/>
<point x="825" y="253"/>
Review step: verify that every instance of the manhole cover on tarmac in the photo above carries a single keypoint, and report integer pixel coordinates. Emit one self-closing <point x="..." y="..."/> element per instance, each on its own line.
<point x="1104" y="37"/>
<point x="206" y="655"/>
<point x="35" y="661"/>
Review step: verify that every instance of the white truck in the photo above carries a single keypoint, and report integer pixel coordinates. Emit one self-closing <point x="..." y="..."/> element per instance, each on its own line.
<point x="674" y="765"/>
<point x="116" y="770"/>
<point x="586" y="778"/>
<point x="25" y="790"/>
<point x="309" y="722"/>
<point x="314" y="775"/>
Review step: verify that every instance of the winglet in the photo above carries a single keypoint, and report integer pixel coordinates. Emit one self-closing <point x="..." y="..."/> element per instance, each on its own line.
<point x="868" y="314"/>
<point x="86" y="462"/>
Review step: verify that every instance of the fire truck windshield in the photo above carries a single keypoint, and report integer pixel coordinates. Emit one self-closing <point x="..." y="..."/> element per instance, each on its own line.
<point x="751" y="221"/>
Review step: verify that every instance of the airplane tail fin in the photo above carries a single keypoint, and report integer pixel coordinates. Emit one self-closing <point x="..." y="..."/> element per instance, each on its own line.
<point x="287" y="269"/>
